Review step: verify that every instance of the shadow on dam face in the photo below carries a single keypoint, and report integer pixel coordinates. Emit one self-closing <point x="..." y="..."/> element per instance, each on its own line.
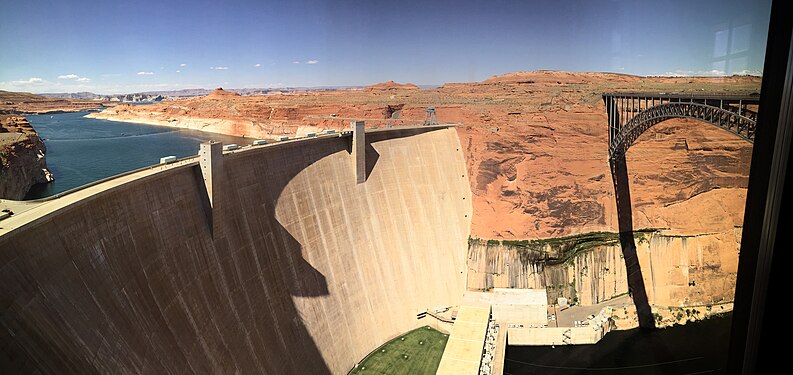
<point x="208" y="301"/>
<point x="310" y="272"/>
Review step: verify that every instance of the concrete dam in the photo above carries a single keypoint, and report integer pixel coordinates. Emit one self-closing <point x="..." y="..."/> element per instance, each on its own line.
<point x="291" y="266"/>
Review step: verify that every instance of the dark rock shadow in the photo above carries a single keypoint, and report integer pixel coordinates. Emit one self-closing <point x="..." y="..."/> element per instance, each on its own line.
<point x="636" y="288"/>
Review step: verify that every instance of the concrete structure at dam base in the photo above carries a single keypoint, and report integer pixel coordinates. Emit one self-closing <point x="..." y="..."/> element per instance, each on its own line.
<point x="513" y="305"/>
<point x="276" y="261"/>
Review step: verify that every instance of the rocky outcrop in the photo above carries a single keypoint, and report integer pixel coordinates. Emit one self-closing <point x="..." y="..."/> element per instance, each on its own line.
<point x="22" y="161"/>
<point x="391" y="85"/>
<point x="219" y="92"/>
<point x="589" y="269"/>
<point x="27" y="103"/>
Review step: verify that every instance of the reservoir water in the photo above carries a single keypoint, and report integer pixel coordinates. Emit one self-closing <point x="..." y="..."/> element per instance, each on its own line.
<point x="82" y="150"/>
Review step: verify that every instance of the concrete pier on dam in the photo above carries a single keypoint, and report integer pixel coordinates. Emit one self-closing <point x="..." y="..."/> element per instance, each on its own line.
<point x="286" y="264"/>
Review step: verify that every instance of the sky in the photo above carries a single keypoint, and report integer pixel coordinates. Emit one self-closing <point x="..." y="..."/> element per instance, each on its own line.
<point x="113" y="47"/>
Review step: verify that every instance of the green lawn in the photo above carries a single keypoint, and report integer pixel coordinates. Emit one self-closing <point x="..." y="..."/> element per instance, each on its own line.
<point x="416" y="352"/>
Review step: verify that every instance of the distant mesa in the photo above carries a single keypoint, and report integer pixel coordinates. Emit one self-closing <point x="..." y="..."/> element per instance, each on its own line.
<point x="391" y="85"/>
<point x="559" y="77"/>
<point x="219" y="92"/>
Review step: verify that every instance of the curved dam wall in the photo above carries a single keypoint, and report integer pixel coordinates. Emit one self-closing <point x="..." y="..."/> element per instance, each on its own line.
<point x="308" y="273"/>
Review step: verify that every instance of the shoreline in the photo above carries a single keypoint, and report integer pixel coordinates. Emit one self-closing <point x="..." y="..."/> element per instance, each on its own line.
<point x="207" y="125"/>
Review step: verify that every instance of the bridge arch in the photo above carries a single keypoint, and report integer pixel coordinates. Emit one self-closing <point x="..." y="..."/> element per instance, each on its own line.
<point x="631" y="114"/>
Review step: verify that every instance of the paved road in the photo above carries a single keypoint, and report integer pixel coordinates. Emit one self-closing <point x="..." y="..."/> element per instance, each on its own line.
<point x="567" y="317"/>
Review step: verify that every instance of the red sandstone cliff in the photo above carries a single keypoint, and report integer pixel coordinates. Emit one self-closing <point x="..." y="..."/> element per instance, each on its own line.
<point x="535" y="143"/>
<point x="22" y="162"/>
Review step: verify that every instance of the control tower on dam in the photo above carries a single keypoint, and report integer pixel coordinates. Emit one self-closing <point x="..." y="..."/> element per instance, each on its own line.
<point x="280" y="259"/>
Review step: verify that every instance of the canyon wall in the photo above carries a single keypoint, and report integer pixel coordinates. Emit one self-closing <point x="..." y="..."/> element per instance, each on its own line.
<point x="308" y="272"/>
<point x="589" y="269"/>
<point x="22" y="162"/>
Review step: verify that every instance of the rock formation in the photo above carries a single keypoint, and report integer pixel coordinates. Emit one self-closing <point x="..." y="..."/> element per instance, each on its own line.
<point x="27" y="103"/>
<point x="219" y="93"/>
<point x="21" y="149"/>
<point x="391" y="85"/>
<point x="22" y="162"/>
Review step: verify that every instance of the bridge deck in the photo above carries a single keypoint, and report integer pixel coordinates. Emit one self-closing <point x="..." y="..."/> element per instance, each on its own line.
<point x="744" y="96"/>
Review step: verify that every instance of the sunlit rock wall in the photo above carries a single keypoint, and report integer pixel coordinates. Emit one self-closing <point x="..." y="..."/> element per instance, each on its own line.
<point x="677" y="270"/>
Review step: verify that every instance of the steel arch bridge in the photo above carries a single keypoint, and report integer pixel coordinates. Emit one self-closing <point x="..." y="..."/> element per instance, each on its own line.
<point x="631" y="114"/>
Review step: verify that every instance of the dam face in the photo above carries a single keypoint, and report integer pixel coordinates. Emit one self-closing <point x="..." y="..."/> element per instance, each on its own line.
<point x="307" y="272"/>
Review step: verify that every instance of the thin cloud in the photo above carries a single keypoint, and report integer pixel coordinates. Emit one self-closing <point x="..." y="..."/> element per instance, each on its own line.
<point x="182" y="65"/>
<point x="39" y="85"/>
<point x="74" y="77"/>
<point x="219" y="67"/>
<point x="312" y="62"/>
<point x="145" y="73"/>
<point x="295" y="62"/>
<point x="745" y="72"/>
<point x="689" y="73"/>
<point x="29" y="81"/>
<point x="32" y="83"/>
<point x="178" y="71"/>
<point x="257" y="65"/>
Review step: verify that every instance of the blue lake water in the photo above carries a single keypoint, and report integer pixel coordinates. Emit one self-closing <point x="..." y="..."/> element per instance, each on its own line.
<point x="82" y="150"/>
